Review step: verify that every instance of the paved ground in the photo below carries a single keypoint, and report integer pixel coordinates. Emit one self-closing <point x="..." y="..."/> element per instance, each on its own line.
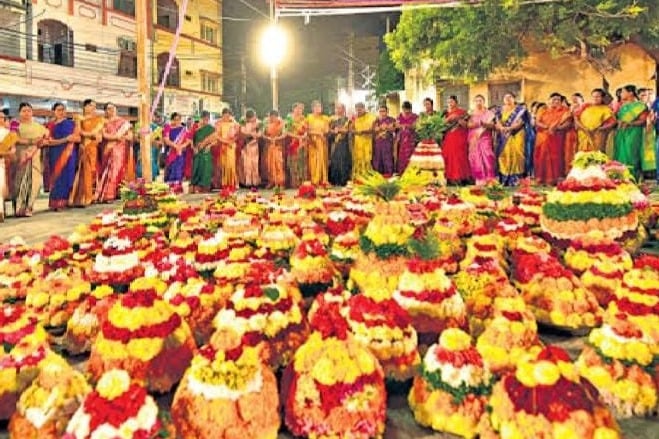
<point x="400" y="423"/>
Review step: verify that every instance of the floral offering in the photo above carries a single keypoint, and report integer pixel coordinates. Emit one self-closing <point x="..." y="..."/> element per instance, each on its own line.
<point x="311" y="267"/>
<point x="82" y="327"/>
<point x="44" y="409"/>
<point x="55" y="298"/>
<point x="118" y="407"/>
<point x="450" y="394"/>
<point x="546" y="398"/>
<point x="227" y="394"/>
<point x="594" y="249"/>
<point x="144" y="336"/>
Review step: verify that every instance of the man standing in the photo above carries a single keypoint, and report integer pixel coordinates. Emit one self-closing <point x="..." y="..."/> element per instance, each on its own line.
<point x="383" y="151"/>
<point x="362" y="152"/>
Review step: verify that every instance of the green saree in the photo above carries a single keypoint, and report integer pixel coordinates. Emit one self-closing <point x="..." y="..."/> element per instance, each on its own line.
<point x="202" y="163"/>
<point x="629" y="141"/>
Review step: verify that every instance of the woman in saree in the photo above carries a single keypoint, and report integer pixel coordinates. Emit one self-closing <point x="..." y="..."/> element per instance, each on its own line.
<point x="454" y="145"/>
<point x="571" y="137"/>
<point x="202" y="162"/>
<point x="406" y="140"/>
<point x="62" y="158"/>
<point x="251" y="133"/>
<point x="509" y="125"/>
<point x="116" y="132"/>
<point x="629" y="137"/>
<point x="28" y="175"/>
<point x="7" y="151"/>
<point x="648" y="165"/>
<point x="384" y="130"/>
<point x="91" y="133"/>
<point x="550" y="141"/>
<point x="362" y="151"/>
<point x="340" y="166"/>
<point x="297" y="154"/>
<point x="481" y="149"/>
<point x="594" y="123"/>
<point x="319" y="126"/>
<point x="228" y="131"/>
<point x="274" y="137"/>
<point x="177" y="140"/>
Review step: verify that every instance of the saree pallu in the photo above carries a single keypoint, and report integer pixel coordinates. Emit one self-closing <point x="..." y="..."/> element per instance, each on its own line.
<point x="318" y="160"/>
<point x="28" y="171"/>
<point x="298" y="164"/>
<point x="130" y="173"/>
<point x="570" y="149"/>
<point x="511" y="147"/>
<point x="229" y="178"/>
<point x="593" y="117"/>
<point x="481" y="150"/>
<point x="362" y="152"/>
<point x="274" y="155"/>
<point x="529" y="147"/>
<point x="250" y="163"/>
<point x="202" y="162"/>
<point x="189" y="154"/>
<point x="113" y="163"/>
<point x="628" y="142"/>
<point x="383" y="149"/>
<point x="216" y="154"/>
<point x="84" y="185"/>
<point x="175" y="166"/>
<point x="45" y="170"/>
<point x="340" y="166"/>
<point x="549" y="147"/>
<point x="454" y="151"/>
<point x="406" y="141"/>
<point x="62" y="160"/>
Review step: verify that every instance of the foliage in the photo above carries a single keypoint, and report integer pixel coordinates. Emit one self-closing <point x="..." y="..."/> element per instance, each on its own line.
<point x="375" y="184"/>
<point x="585" y="211"/>
<point x="471" y="42"/>
<point x="384" y="251"/>
<point x="426" y="248"/>
<point x="388" y="77"/>
<point x="431" y="127"/>
<point x="435" y="382"/>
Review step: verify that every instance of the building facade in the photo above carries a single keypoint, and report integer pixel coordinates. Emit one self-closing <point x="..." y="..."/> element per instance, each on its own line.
<point x="539" y="75"/>
<point x="71" y="50"/>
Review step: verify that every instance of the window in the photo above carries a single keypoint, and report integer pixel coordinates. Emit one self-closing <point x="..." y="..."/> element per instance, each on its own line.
<point x="10" y="33"/>
<point x="91" y="48"/>
<point x="127" y="64"/>
<point x="125" y="6"/>
<point x="174" y="77"/>
<point x="55" y="43"/>
<point x="167" y="14"/>
<point x="209" y="33"/>
<point x="210" y="82"/>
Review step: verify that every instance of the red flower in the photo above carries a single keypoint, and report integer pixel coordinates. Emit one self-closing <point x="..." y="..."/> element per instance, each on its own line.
<point x="554" y="354"/>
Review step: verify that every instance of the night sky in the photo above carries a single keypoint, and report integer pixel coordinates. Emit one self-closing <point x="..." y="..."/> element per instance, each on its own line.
<point x="315" y="58"/>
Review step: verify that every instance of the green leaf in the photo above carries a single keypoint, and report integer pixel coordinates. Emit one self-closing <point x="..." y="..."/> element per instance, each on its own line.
<point x="585" y="211"/>
<point x="435" y="382"/>
<point x="384" y="251"/>
<point x="271" y="293"/>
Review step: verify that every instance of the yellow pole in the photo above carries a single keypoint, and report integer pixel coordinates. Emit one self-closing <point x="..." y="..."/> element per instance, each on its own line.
<point x="143" y="86"/>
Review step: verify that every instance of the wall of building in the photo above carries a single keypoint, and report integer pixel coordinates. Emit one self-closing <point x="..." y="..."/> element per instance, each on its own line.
<point x="541" y="74"/>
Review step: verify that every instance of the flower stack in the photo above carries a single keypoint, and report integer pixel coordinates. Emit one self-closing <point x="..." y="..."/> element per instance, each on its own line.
<point x="82" y="327"/>
<point x="334" y="387"/>
<point x="227" y="394"/>
<point x="384" y="242"/>
<point x="554" y="293"/>
<point x="210" y="253"/>
<point x="383" y="326"/>
<point x="311" y="267"/>
<point x="427" y="294"/>
<point x="55" y="298"/>
<point x="144" y="336"/>
<point x="118" y="264"/>
<point x="545" y="397"/>
<point x="593" y="249"/>
<point x="588" y="200"/>
<point x="510" y="334"/>
<point x="268" y="308"/>
<point x="451" y="392"/>
<point x="118" y="407"/>
<point x="44" y="409"/>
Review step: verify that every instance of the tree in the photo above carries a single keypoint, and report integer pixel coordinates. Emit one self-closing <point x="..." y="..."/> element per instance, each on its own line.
<point x="388" y="77"/>
<point x="471" y="42"/>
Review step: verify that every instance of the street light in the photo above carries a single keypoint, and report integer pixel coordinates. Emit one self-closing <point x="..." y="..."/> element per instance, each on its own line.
<point x="273" y="49"/>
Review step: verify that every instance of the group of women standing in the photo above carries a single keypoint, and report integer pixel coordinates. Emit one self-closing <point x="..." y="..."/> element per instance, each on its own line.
<point x="512" y="141"/>
<point x="77" y="160"/>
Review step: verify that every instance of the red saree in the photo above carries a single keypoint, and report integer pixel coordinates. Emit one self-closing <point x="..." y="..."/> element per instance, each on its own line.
<point x="549" y="147"/>
<point x="454" y="148"/>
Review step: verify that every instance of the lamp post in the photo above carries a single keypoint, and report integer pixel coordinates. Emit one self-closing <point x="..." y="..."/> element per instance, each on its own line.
<point x="273" y="49"/>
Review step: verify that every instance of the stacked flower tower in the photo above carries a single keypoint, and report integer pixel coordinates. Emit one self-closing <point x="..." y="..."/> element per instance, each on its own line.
<point x="589" y="200"/>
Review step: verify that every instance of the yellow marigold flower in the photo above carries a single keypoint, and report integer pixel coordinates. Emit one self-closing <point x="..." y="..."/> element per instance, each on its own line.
<point x="626" y="390"/>
<point x="605" y="433"/>
<point x="454" y="339"/>
<point x="113" y="384"/>
<point x="102" y="291"/>
<point x="525" y="374"/>
<point x="546" y="373"/>
<point x="510" y="431"/>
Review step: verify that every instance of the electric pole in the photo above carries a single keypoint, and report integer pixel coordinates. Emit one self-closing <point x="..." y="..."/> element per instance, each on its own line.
<point x="143" y="86"/>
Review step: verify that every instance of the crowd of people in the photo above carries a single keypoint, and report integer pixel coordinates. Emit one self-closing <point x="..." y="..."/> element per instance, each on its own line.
<point x="85" y="159"/>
